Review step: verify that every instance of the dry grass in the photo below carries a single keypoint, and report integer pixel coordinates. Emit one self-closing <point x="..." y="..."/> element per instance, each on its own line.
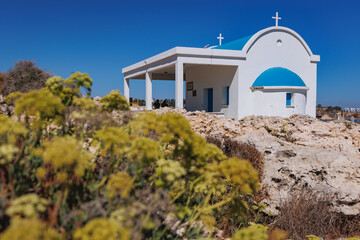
<point x="303" y="214"/>
<point x="310" y="213"/>
<point x="233" y="148"/>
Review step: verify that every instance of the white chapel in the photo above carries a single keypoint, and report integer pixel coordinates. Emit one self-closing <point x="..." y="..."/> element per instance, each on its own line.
<point x="270" y="73"/>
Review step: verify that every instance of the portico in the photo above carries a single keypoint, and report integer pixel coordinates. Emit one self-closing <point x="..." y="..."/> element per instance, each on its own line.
<point x="172" y="65"/>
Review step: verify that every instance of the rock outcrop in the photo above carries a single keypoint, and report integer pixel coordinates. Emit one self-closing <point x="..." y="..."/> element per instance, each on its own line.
<point x="299" y="152"/>
<point x="288" y="168"/>
<point x="5" y="108"/>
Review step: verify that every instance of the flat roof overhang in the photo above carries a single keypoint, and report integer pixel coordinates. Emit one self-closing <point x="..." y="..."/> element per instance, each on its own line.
<point x="167" y="60"/>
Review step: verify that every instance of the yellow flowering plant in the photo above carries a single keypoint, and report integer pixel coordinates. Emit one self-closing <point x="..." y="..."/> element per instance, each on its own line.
<point x="28" y="206"/>
<point x="120" y="182"/>
<point x="12" y="136"/>
<point x="40" y="103"/>
<point x="112" y="142"/>
<point x="56" y="85"/>
<point x="101" y="228"/>
<point x="81" y="80"/>
<point x="84" y="103"/>
<point x="202" y="169"/>
<point x="253" y="232"/>
<point x="7" y="153"/>
<point x="10" y="130"/>
<point x="10" y="99"/>
<point x="241" y="174"/>
<point x="30" y="229"/>
<point x="143" y="151"/>
<point x="114" y="101"/>
<point x="312" y="237"/>
<point x="71" y="163"/>
<point x="136" y="179"/>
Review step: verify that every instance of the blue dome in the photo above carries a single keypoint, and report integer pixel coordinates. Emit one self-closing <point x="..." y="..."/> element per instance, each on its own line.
<point x="278" y="76"/>
<point x="235" y="45"/>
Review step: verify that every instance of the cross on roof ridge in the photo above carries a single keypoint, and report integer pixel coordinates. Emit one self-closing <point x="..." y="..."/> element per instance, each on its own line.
<point x="220" y="38"/>
<point x="277" y="18"/>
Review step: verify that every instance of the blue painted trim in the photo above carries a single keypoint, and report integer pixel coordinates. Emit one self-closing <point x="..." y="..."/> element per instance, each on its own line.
<point x="288" y="99"/>
<point x="235" y="45"/>
<point x="210" y="100"/>
<point x="227" y="95"/>
<point x="278" y="76"/>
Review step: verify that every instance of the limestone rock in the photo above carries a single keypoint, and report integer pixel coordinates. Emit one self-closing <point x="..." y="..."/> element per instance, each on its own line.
<point x="97" y="100"/>
<point x="289" y="168"/>
<point x="300" y="151"/>
<point x="5" y="108"/>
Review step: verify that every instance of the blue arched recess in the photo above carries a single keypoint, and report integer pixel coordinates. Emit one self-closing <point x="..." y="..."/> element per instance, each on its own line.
<point x="278" y="76"/>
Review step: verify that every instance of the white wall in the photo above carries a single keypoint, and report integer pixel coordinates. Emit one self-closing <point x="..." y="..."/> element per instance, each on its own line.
<point x="216" y="77"/>
<point x="273" y="103"/>
<point x="265" y="53"/>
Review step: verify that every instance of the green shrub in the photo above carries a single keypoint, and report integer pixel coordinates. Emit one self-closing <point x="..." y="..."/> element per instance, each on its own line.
<point x="312" y="237"/>
<point x="140" y="179"/>
<point x="254" y="232"/>
<point x="114" y="101"/>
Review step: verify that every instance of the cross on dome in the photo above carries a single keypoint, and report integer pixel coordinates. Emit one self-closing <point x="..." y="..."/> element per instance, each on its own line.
<point x="220" y="38"/>
<point x="277" y="18"/>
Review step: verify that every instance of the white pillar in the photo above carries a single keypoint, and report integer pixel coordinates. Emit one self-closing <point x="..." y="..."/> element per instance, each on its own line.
<point x="148" y="85"/>
<point x="127" y="89"/>
<point x="179" y="84"/>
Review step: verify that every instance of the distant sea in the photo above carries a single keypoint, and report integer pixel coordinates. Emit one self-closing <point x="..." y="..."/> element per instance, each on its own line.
<point x="357" y="121"/>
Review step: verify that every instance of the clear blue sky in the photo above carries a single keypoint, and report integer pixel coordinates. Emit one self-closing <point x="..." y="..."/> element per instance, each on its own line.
<point x="102" y="37"/>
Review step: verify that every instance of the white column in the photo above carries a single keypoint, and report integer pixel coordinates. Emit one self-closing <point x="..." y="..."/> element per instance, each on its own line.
<point x="148" y="85"/>
<point x="179" y="83"/>
<point x="127" y="89"/>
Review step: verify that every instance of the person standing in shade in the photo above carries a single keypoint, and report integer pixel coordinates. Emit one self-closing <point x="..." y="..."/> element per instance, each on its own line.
<point x="164" y="103"/>
<point x="157" y="104"/>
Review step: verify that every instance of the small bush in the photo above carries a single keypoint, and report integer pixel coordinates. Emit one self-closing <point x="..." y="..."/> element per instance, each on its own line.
<point x="309" y="213"/>
<point x="114" y="101"/>
<point x="348" y="226"/>
<point x="306" y="214"/>
<point x="2" y="82"/>
<point x="24" y="77"/>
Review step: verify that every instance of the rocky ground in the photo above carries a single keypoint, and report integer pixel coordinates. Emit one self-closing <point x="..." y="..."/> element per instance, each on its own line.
<point x="299" y="152"/>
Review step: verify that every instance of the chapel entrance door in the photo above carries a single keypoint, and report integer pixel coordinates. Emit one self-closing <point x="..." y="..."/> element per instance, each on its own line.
<point x="208" y="99"/>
